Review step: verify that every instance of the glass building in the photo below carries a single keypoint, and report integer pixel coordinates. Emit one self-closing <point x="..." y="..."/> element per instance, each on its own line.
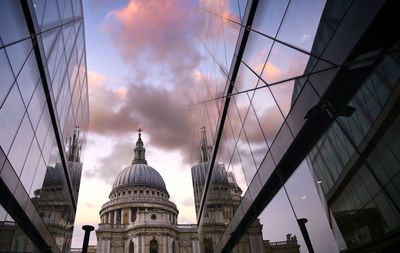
<point x="301" y="104"/>
<point x="44" y="116"/>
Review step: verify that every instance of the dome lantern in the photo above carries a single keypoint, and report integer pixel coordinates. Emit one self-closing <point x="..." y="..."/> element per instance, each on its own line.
<point x="140" y="157"/>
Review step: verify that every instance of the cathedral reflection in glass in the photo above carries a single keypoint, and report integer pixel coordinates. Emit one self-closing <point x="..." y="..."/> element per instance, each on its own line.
<point x="44" y="116"/>
<point x="300" y="102"/>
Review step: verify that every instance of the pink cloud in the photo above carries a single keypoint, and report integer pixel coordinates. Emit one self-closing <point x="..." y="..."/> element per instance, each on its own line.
<point x="156" y="38"/>
<point x="155" y="30"/>
<point x="270" y="71"/>
<point x="95" y="79"/>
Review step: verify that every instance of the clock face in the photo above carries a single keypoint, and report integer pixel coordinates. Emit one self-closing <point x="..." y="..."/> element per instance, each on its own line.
<point x="153" y="217"/>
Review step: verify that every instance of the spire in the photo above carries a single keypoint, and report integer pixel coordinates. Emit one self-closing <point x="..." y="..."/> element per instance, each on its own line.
<point x="74" y="149"/>
<point x="204" y="147"/>
<point x="139" y="150"/>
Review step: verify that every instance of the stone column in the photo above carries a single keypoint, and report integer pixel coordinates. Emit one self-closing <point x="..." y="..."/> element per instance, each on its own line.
<point x="165" y="245"/>
<point x="115" y="216"/>
<point x="193" y="246"/>
<point x="121" y="217"/>
<point x="108" y="217"/>
<point x="142" y="244"/>
<point x="130" y="216"/>
<point x="108" y="244"/>
<point x="170" y="240"/>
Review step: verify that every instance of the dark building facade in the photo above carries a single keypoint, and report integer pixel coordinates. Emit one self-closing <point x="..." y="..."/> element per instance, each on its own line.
<point x="302" y="102"/>
<point x="44" y="116"/>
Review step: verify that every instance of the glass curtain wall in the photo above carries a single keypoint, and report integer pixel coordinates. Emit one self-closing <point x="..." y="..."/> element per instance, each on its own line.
<point x="269" y="69"/>
<point x="43" y="105"/>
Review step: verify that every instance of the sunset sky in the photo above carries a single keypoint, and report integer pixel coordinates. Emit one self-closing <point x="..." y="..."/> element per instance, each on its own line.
<point x="137" y="78"/>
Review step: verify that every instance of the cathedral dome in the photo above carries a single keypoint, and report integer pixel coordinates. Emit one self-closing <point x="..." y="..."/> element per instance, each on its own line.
<point x="139" y="175"/>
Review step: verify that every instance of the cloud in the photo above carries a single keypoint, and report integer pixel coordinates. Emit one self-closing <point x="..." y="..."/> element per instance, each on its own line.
<point x="305" y="37"/>
<point x="111" y="164"/>
<point x="185" y="220"/>
<point x="161" y="31"/>
<point x="188" y="201"/>
<point x="95" y="79"/>
<point x="90" y="205"/>
<point x="270" y="71"/>
<point x="159" y="44"/>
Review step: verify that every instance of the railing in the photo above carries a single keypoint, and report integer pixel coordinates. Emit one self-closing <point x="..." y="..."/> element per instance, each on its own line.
<point x="281" y="243"/>
<point x="139" y="200"/>
<point x="110" y="226"/>
<point x="187" y="226"/>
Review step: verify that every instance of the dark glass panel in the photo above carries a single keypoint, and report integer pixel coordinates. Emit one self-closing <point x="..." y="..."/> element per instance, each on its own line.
<point x="12" y="22"/>
<point x="39" y="9"/>
<point x="67" y="8"/>
<point x="69" y="35"/>
<point x="38" y="180"/>
<point x="245" y="80"/>
<point x="301" y="104"/>
<point x="282" y="94"/>
<point x="28" y="78"/>
<point x="9" y="177"/>
<point x="255" y="137"/>
<point x="246" y="158"/>
<point x="18" y="53"/>
<point x="77" y="8"/>
<point x="51" y="15"/>
<point x="281" y="143"/>
<point x="21" y="144"/>
<point x="308" y="14"/>
<point x="237" y="169"/>
<point x="36" y="105"/>
<point x="302" y="192"/>
<point x="268" y="114"/>
<point x="13" y="238"/>
<point x="48" y="39"/>
<point x="279" y="225"/>
<point x="266" y="168"/>
<point x="284" y="63"/>
<point x="232" y="12"/>
<point x="43" y="127"/>
<point x="48" y="145"/>
<point x="231" y="33"/>
<point x="242" y="8"/>
<point x="257" y="50"/>
<point x="11" y="114"/>
<point x="30" y="166"/>
<point x="7" y="77"/>
<point x="268" y="16"/>
<point x="59" y="77"/>
<point x="362" y="215"/>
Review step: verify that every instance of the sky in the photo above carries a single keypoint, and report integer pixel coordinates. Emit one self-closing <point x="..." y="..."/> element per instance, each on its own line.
<point x="137" y="78"/>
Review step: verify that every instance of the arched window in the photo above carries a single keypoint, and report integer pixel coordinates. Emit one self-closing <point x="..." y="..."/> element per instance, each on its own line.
<point x="131" y="247"/>
<point x="153" y="246"/>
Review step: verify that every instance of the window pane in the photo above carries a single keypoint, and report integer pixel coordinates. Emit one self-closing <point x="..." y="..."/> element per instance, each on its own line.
<point x="28" y="78"/>
<point x="21" y="144"/>
<point x="10" y="117"/>
<point x="12" y="22"/>
<point x="7" y="77"/>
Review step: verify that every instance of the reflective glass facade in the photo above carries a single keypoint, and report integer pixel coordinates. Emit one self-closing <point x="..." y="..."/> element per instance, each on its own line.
<point x="300" y="102"/>
<point x="44" y="116"/>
